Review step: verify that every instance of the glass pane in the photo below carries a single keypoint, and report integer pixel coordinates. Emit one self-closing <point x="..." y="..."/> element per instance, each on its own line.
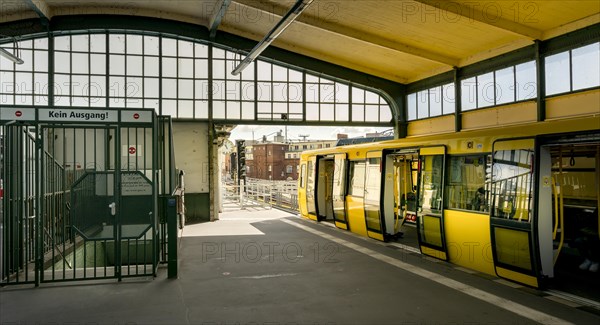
<point x="98" y="64"/>
<point x="485" y="90"/>
<point x="218" y="69"/>
<point x="358" y="95"/>
<point x="557" y="73"/>
<point x="97" y="86"/>
<point x="371" y="113"/>
<point x="412" y="106"/>
<point x="341" y="112"/>
<point x="279" y="73"/>
<point x="295" y="92"/>
<point x="186" y="68"/>
<point x="79" y="85"/>
<point x="526" y="80"/>
<point x="41" y="61"/>
<point x="117" y="65"/>
<point x="356" y="187"/>
<point x="134" y="44"/>
<point x="430" y="194"/>
<point x="169" y="88"/>
<point x="372" y="193"/>
<point x="449" y="103"/>
<point x="169" y="47"/>
<point x="511" y="184"/>
<point x="465" y="182"/>
<point x="201" y="50"/>
<point x="62" y="62"/>
<point x="151" y="66"/>
<point x="435" y="101"/>
<point x="358" y="113"/>
<point x="169" y="68"/>
<point x="134" y="65"/>
<point x="80" y="43"/>
<point x="586" y="66"/>
<point x="264" y="70"/>
<point x="116" y="43"/>
<point x="422" y="104"/>
<point x="97" y="43"/>
<point x="151" y="45"/>
<point x="186" y="49"/>
<point x="468" y="88"/>
<point x="80" y="63"/>
<point x="327" y="92"/>
<point x="295" y="75"/>
<point x="385" y="113"/>
<point x="186" y="89"/>
<point x="201" y="68"/>
<point x="151" y="87"/>
<point x="62" y="43"/>
<point x="505" y="86"/>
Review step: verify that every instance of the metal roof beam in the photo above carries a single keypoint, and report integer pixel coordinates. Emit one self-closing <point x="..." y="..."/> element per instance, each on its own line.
<point x="358" y="35"/>
<point x="217" y="16"/>
<point x="472" y="12"/>
<point x="40" y="7"/>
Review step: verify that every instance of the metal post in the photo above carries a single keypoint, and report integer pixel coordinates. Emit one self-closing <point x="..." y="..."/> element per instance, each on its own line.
<point x="172" y="235"/>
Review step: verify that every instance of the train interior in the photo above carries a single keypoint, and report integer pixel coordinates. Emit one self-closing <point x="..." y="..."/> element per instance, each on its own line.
<point x="573" y="201"/>
<point x="404" y="181"/>
<point x="325" y="176"/>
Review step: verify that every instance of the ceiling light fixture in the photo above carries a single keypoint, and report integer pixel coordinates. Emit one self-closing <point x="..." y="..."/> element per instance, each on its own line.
<point x="10" y="56"/>
<point x="289" y="17"/>
<point x="14" y="58"/>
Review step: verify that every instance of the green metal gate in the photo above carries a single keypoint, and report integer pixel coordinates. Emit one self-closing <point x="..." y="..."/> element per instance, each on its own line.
<point x="80" y="197"/>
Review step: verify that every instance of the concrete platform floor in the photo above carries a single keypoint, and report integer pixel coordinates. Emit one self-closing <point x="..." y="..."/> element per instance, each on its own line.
<point x="270" y="267"/>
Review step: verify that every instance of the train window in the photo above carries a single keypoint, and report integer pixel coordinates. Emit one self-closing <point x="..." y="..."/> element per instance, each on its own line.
<point x="356" y="187"/>
<point x="465" y="185"/>
<point x="511" y="184"/>
<point x="430" y="194"/>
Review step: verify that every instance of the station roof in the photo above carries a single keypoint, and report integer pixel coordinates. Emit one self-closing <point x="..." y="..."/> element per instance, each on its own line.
<point x="402" y="41"/>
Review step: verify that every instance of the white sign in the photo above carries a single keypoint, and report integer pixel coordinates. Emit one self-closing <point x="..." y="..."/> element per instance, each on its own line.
<point x="78" y="115"/>
<point x="131" y="116"/>
<point x="135" y="184"/>
<point x="17" y="114"/>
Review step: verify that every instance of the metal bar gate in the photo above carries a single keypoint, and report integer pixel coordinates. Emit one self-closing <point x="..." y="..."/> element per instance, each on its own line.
<point x="80" y="194"/>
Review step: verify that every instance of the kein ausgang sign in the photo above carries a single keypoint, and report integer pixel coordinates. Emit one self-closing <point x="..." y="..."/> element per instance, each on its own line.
<point x="78" y="115"/>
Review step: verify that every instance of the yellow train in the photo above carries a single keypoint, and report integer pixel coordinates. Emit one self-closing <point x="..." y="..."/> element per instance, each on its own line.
<point x="509" y="202"/>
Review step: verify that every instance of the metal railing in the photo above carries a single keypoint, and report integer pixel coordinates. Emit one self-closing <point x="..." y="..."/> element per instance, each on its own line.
<point x="261" y="193"/>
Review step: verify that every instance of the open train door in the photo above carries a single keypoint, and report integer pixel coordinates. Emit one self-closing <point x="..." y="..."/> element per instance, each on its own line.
<point x="430" y="214"/>
<point x="339" y="191"/>
<point x="311" y="202"/>
<point x="511" y="204"/>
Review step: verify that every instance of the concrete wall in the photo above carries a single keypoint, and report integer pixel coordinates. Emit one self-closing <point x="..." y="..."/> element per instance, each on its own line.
<point x="191" y="155"/>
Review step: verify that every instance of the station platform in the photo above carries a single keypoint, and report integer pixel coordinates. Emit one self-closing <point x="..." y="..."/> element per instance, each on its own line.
<point x="265" y="266"/>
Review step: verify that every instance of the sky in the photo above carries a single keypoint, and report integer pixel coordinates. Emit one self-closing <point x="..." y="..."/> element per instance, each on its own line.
<point x="249" y="132"/>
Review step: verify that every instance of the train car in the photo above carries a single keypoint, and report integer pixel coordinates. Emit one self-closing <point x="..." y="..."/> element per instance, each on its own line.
<point x="509" y="202"/>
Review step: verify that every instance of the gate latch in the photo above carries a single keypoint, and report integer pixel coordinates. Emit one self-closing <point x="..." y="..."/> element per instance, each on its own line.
<point x="113" y="208"/>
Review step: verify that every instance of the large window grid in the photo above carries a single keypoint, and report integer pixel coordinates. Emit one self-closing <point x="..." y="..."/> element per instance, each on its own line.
<point x="573" y="70"/>
<point x="280" y="92"/>
<point x="185" y="79"/>
<point x="27" y="83"/>
<point x="171" y="75"/>
<point x="435" y="101"/>
<point x="507" y="85"/>
<point x="233" y="96"/>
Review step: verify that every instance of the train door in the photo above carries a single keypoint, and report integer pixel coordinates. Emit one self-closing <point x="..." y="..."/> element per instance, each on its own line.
<point x="511" y="217"/>
<point x="569" y="196"/>
<point x="400" y="187"/>
<point x="372" y="197"/>
<point x="430" y="216"/>
<point x="324" y="188"/>
<point x="311" y="203"/>
<point x="339" y="191"/>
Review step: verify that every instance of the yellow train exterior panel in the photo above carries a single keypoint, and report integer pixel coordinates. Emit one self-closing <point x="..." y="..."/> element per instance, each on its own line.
<point x="356" y="215"/>
<point x="468" y="240"/>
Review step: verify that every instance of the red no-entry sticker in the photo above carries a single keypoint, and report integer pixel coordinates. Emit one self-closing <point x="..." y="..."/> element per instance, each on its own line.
<point x="136" y="116"/>
<point x="18" y="113"/>
<point x="131" y="150"/>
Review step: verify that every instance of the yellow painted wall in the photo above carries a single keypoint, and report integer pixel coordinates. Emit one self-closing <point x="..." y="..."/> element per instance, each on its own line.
<point x="517" y="113"/>
<point x="441" y="124"/>
<point x="571" y="105"/>
<point x="468" y="240"/>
